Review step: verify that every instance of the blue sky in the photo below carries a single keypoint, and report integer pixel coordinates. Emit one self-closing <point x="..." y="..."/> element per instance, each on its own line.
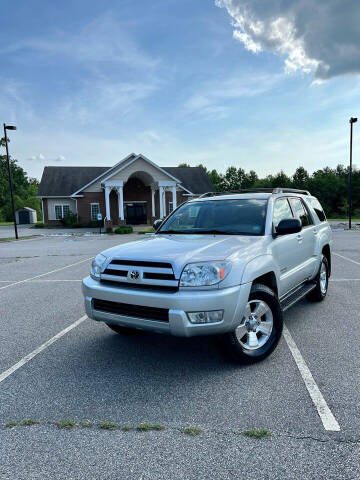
<point x="180" y="81"/>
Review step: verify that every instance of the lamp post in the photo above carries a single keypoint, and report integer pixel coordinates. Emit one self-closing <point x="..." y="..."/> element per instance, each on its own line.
<point x="10" y="127"/>
<point x="351" y="121"/>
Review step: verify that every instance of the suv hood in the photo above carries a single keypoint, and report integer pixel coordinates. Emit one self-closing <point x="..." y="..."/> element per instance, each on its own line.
<point x="182" y="249"/>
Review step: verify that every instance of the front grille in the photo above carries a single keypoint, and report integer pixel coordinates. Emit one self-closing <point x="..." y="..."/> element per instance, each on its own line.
<point x="140" y="274"/>
<point x="137" y="263"/>
<point x="137" y="311"/>
<point x="143" y="286"/>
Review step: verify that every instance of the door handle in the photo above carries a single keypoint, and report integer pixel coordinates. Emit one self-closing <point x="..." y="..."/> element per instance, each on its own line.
<point x="299" y="238"/>
<point x="315" y="231"/>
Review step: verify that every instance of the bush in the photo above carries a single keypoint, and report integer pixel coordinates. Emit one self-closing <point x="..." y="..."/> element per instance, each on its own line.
<point x="124" y="229"/>
<point x="70" y="220"/>
<point x="109" y="230"/>
<point x="38" y="225"/>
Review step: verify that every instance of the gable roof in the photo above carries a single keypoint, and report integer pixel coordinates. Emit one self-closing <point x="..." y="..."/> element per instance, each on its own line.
<point x="194" y="179"/>
<point x="65" y="181"/>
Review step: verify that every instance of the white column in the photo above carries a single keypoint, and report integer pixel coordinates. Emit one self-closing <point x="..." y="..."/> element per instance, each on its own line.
<point x="153" y="202"/>
<point x="161" y="201"/>
<point x="174" y="197"/>
<point x="107" y="202"/>
<point x="121" y="202"/>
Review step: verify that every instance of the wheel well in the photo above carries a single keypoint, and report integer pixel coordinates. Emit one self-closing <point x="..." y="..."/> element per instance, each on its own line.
<point x="268" y="279"/>
<point x="326" y="253"/>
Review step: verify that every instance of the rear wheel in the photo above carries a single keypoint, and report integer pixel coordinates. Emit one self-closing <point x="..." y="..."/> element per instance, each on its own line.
<point x="260" y="328"/>
<point x="122" y="330"/>
<point x="322" y="282"/>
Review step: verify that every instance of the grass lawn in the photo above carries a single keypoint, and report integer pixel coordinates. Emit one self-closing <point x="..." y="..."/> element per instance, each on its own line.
<point x="6" y="224"/>
<point x="13" y="239"/>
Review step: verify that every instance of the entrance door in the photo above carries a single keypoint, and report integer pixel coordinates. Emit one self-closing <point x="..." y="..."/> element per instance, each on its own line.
<point x="135" y="213"/>
<point x="24" y="216"/>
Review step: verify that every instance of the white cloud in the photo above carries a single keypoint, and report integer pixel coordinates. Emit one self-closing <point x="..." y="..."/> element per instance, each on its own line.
<point x="39" y="157"/>
<point x="216" y="99"/>
<point x="103" y="40"/>
<point x="105" y="100"/>
<point x="312" y="36"/>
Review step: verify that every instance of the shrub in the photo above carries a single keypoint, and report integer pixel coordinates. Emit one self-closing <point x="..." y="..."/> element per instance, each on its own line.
<point x="38" y="225"/>
<point x="70" y="220"/>
<point x="123" y="229"/>
<point x="109" y="230"/>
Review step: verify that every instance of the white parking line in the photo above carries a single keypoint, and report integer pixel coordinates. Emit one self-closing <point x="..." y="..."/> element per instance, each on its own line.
<point x="344" y="279"/>
<point x="327" y="418"/>
<point x="47" y="273"/>
<point x="58" y="280"/>
<point x="346" y="258"/>
<point x="42" y="347"/>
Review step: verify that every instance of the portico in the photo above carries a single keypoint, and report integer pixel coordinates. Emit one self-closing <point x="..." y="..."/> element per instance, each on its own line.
<point x="160" y="187"/>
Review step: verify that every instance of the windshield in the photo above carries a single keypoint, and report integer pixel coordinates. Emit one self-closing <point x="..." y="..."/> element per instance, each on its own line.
<point x="226" y="217"/>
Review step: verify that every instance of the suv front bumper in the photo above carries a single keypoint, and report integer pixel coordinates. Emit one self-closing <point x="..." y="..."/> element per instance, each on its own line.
<point x="231" y="300"/>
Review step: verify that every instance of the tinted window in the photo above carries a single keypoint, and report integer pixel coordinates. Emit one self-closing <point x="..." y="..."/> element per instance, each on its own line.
<point x="233" y="217"/>
<point x="300" y="211"/>
<point x="282" y="211"/>
<point x="314" y="202"/>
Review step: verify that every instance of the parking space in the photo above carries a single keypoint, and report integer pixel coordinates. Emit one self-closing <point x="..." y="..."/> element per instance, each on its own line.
<point x="90" y="373"/>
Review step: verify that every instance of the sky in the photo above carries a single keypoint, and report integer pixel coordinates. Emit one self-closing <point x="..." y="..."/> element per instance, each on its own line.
<point x="256" y="84"/>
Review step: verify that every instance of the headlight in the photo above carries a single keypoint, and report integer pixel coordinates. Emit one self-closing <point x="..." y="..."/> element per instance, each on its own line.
<point x="96" y="266"/>
<point x="203" y="274"/>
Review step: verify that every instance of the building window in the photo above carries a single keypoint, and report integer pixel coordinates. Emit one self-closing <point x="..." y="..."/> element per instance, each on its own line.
<point x="171" y="207"/>
<point x="95" y="209"/>
<point x="61" y="211"/>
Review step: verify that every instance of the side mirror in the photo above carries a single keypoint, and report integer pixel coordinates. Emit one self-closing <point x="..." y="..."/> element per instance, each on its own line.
<point x="157" y="224"/>
<point x="289" y="225"/>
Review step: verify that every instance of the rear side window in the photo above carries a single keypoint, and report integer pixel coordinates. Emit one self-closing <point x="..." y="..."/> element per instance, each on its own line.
<point x="314" y="202"/>
<point x="300" y="212"/>
<point x="282" y="211"/>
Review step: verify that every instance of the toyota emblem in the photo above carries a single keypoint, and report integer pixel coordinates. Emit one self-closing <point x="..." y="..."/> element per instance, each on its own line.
<point x="134" y="275"/>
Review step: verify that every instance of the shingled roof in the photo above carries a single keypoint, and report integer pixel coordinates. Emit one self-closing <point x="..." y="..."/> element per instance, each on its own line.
<point x="64" y="181"/>
<point x="194" y="179"/>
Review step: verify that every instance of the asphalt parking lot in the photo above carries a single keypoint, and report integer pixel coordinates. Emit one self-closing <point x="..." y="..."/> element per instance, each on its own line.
<point x="88" y="373"/>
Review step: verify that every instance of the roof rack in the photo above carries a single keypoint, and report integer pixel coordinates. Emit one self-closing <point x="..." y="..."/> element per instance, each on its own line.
<point x="257" y="190"/>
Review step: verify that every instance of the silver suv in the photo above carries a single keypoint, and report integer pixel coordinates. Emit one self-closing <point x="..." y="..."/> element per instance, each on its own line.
<point x="223" y="264"/>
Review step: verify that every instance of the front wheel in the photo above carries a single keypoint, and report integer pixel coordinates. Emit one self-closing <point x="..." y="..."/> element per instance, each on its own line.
<point x="260" y="328"/>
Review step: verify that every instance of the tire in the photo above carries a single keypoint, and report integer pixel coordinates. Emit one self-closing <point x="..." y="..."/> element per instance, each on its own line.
<point x="243" y="349"/>
<point x="322" y="282"/>
<point x="122" y="330"/>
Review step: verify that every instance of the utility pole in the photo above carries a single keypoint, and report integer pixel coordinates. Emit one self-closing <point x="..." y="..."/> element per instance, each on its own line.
<point x="351" y="121"/>
<point x="10" y="127"/>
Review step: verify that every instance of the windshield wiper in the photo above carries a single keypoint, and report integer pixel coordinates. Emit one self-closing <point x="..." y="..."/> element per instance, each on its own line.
<point x="176" y="231"/>
<point x="214" y="231"/>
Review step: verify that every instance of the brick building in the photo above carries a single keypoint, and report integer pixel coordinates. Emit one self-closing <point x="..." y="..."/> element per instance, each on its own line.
<point x="134" y="191"/>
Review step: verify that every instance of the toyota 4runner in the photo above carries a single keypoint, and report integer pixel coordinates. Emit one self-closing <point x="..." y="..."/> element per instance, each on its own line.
<point x="224" y="264"/>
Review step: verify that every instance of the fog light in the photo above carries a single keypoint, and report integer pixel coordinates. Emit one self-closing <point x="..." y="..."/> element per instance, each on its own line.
<point x="206" y="317"/>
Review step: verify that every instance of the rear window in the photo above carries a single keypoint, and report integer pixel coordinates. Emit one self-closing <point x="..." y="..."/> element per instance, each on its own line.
<point x="314" y="202"/>
<point x="300" y="212"/>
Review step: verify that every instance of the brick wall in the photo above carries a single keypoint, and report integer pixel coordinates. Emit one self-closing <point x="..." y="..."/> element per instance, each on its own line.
<point x="83" y="205"/>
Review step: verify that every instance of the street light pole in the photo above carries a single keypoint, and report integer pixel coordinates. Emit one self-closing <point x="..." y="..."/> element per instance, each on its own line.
<point x="10" y="127"/>
<point x="351" y="121"/>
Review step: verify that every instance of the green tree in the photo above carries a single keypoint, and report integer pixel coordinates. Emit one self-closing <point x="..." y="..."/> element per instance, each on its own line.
<point x="25" y="189"/>
<point x="300" y="178"/>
